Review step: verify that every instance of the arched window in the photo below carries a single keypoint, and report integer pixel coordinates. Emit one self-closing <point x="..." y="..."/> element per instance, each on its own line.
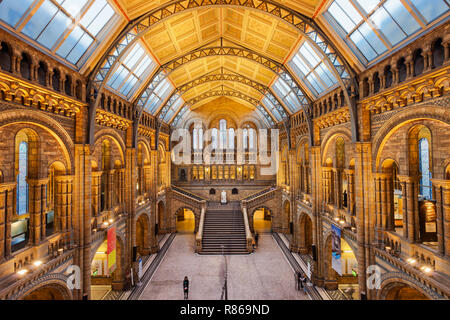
<point x="251" y="139"/>
<point x="25" y="67"/>
<point x="245" y="138"/>
<point x="401" y="67"/>
<point x="438" y="53"/>
<point x="418" y="62"/>
<point x="5" y="57"/>
<point x="376" y="82"/>
<point x="22" y="185"/>
<point x="424" y="167"/>
<point x="55" y="79"/>
<point x="214" y="138"/>
<point x="223" y="134"/>
<point x="388" y="77"/>
<point x="42" y="74"/>
<point x="231" y="139"/>
<point x="68" y="86"/>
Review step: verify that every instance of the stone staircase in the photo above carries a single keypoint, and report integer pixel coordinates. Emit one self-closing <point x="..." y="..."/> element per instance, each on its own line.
<point x="223" y="226"/>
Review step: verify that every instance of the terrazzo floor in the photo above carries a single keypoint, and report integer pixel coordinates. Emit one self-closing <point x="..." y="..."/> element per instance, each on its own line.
<point x="263" y="275"/>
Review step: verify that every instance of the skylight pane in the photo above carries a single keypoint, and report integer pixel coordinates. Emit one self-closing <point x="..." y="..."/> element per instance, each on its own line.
<point x="430" y="12"/>
<point x="40" y="19"/>
<point x="350" y="11"/>
<point x="80" y="48"/>
<point x="344" y="21"/>
<point x="309" y="54"/>
<point x="388" y="26"/>
<point x="12" y="10"/>
<point x="73" y="6"/>
<point x="362" y="44"/>
<point x="70" y="42"/>
<point x="298" y="61"/>
<point x="368" y="5"/>
<point x="372" y="38"/>
<point x="101" y="20"/>
<point x="402" y="16"/>
<point x="54" y="30"/>
<point x="136" y="53"/>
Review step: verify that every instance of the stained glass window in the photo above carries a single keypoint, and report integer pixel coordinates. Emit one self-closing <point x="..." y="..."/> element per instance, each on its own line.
<point x="22" y="185"/>
<point x="65" y="27"/>
<point x="374" y="27"/>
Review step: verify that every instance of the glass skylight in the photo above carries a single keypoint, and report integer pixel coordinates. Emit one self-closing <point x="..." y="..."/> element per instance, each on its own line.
<point x="271" y="107"/>
<point x="311" y="70"/>
<point x="65" y="27"/>
<point x="373" y="27"/>
<point x="175" y="103"/>
<point x="158" y="96"/>
<point x="132" y="70"/>
<point x="285" y="94"/>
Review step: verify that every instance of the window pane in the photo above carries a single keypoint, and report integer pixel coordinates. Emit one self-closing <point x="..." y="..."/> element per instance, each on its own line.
<point x="70" y="42"/>
<point x="350" y="11"/>
<point x="54" y="30"/>
<point x="80" y="48"/>
<point x="402" y="16"/>
<point x="368" y="5"/>
<point x="387" y="25"/>
<point x="363" y="45"/>
<point x="372" y="38"/>
<point x="430" y="12"/>
<point x="100" y="21"/>
<point x="73" y="7"/>
<point x="40" y="19"/>
<point x="12" y="10"/>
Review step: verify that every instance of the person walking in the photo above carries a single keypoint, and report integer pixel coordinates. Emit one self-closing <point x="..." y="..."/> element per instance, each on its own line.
<point x="186" y="287"/>
<point x="303" y="285"/>
<point x="298" y="279"/>
<point x="256" y="239"/>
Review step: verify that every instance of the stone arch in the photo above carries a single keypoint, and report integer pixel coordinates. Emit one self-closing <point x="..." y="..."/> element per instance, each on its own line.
<point x="329" y="138"/>
<point x="47" y="123"/>
<point x="143" y="234"/>
<point x="49" y="287"/>
<point x="252" y="214"/>
<point x="393" y="282"/>
<point x="306" y="231"/>
<point x="406" y="115"/>
<point x="160" y="215"/>
<point x="287" y="216"/>
<point x="115" y="137"/>
<point x="195" y="212"/>
<point x="330" y="275"/>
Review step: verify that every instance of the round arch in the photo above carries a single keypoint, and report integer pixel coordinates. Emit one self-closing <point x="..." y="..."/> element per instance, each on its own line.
<point x="187" y="220"/>
<point x="398" y="286"/>
<point x="52" y="286"/>
<point x="306" y="233"/>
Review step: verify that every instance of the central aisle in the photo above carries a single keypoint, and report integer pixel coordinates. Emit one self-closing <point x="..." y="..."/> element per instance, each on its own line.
<point x="263" y="275"/>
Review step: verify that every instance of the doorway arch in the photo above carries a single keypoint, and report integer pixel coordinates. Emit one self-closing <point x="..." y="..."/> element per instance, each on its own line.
<point x="306" y="234"/>
<point x="398" y="290"/>
<point x="185" y="220"/>
<point x="142" y="235"/>
<point x="159" y="221"/>
<point x="262" y="220"/>
<point x="51" y="291"/>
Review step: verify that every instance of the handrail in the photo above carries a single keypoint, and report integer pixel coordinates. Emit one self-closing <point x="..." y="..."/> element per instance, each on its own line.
<point x="199" y="235"/>
<point x="259" y="193"/>
<point x="187" y="193"/>
<point x="248" y="234"/>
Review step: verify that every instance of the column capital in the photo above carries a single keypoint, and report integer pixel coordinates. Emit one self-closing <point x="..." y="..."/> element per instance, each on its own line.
<point x="407" y="179"/>
<point x="7" y="186"/>
<point x="37" y="182"/>
<point x="441" y="183"/>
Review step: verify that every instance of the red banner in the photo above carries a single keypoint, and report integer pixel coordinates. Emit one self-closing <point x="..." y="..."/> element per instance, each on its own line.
<point x="111" y="251"/>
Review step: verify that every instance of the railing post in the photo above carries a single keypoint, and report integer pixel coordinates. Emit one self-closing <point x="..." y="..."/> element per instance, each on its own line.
<point x="199" y="235"/>
<point x="248" y="234"/>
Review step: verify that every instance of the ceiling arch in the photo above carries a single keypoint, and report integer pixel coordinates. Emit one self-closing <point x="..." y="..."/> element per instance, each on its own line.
<point x="227" y="77"/>
<point x="138" y="27"/>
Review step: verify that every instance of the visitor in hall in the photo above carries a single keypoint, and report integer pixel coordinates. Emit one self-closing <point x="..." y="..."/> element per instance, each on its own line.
<point x="256" y="239"/>
<point x="186" y="287"/>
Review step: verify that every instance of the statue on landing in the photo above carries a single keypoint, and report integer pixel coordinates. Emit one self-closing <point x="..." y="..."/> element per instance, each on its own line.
<point x="223" y="197"/>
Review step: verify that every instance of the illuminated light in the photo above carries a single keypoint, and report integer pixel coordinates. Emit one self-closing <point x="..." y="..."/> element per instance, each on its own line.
<point x="111" y="220"/>
<point x="101" y="252"/>
<point x="411" y="261"/>
<point x="105" y="223"/>
<point x="336" y="219"/>
<point x="37" y="263"/>
<point x="342" y="222"/>
<point x="426" y="269"/>
<point x="22" y="272"/>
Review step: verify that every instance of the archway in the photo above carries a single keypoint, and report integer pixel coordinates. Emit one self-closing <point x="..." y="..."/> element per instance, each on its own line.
<point x="142" y="238"/>
<point x="101" y="279"/>
<point x="306" y="234"/>
<point x="262" y="220"/>
<point x="287" y="216"/>
<point x="185" y="221"/>
<point x="401" y="291"/>
<point x="48" y="292"/>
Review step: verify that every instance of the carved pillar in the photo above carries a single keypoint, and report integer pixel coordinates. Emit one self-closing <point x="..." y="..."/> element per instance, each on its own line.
<point x="442" y="195"/>
<point x="6" y="213"/>
<point x="350" y="190"/>
<point x="96" y="193"/>
<point x="37" y="210"/>
<point x="412" y="212"/>
<point x="326" y="180"/>
<point x="63" y="206"/>
<point x="110" y="203"/>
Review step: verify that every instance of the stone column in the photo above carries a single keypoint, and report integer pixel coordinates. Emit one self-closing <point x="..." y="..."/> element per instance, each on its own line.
<point x="110" y="177"/>
<point x="326" y="180"/>
<point x="442" y="194"/>
<point x="96" y="193"/>
<point x="36" y="209"/>
<point x="63" y="206"/>
<point x="412" y="205"/>
<point x="6" y="213"/>
<point x="350" y="190"/>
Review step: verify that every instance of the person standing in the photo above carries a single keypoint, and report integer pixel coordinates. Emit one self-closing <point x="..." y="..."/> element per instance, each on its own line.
<point x="256" y="239"/>
<point x="303" y="285"/>
<point x="186" y="287"/>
